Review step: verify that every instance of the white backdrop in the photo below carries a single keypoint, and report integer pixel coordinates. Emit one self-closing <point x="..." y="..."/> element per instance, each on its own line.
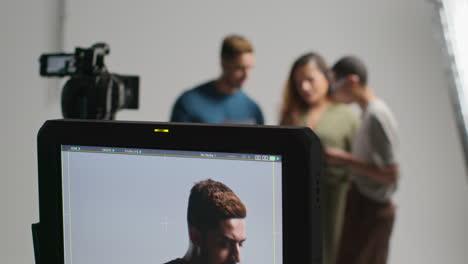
<point x="174" y="45"/>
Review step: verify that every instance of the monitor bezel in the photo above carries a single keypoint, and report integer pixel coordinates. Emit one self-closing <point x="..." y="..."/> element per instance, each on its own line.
<point x="299" y="148"/>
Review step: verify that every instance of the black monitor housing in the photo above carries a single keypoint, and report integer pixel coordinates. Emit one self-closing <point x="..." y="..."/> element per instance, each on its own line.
<point x="301" y="162"/>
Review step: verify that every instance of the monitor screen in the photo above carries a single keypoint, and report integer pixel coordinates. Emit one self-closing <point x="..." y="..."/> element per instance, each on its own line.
<point x="61" y="64"/>
<point x="147" y="192"/>
<point x="129" y="205"/>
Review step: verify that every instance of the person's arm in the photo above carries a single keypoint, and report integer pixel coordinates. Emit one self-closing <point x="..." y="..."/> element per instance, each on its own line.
<point x="179" y="114"/>
<point x="383" y="175"/>
<point x="257" y="113"/>
<point x="260" y="119"/>
<point x="384" y="168"/>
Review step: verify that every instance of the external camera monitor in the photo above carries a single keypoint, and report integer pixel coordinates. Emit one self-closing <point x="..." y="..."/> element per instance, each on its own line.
<point x="135" y="192"/>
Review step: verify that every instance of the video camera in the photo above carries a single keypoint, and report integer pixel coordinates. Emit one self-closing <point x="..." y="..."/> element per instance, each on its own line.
<point x="91" y="92"/>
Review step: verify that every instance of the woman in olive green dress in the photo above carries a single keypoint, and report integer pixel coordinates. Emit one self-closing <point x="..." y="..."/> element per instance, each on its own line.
<point x="307" y="102"/>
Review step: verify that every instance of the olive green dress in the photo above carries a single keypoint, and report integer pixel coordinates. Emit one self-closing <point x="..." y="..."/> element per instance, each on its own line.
<point x="336" y="129"/>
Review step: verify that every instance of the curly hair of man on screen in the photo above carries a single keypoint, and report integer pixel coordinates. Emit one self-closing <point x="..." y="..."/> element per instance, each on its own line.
<point x="216" y="225"/>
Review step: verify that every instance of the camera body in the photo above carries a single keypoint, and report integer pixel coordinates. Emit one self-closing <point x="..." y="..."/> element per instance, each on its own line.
<point x="91" y="92"/>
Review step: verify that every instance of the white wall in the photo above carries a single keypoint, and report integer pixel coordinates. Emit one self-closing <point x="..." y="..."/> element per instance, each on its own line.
<point x="174" y="45"/>
<point x="28" y="28"/>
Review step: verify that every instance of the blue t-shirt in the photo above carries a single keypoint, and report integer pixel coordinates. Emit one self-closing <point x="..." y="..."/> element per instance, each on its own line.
<point x="204" y="104"/>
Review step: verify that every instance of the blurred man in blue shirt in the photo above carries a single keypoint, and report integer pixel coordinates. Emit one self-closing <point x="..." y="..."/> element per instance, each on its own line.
<point x="222" y="100"/>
